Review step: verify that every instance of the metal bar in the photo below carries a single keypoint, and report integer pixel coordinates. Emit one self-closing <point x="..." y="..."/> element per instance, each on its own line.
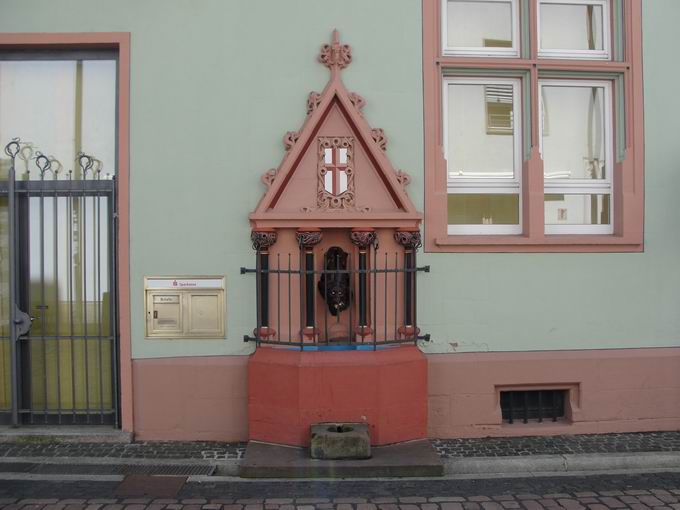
<point x="554" y="406"/>
<point x="290" y="314"/>
<point x="510" y="408"/>
<point x="98" y="302"/>
<point x="385" y="297"/>
<point x="396" y="301"/>
<point x="278" y="297"/>
<point x="58" y="187"/>
<point x="375" y="297"/>
<point x="69" y="267"/>
<point x="300" y="284"/>
<point x="258" y="296"/>
<point x="526" y="406"/>
<point x="309" y="290"/>
<point x="12" y="149"/>
<point x="350" y="305"/>
<point x="424" y="269"/>
<point x="408" y="320"/>
<point x="43" y="305"/>
<point x="83" y="252"/>
<point x="325" y="299"/>
<point x="540" y="406"/>
<point x="55" y="214"/>
<point x="414" y="298"/>
<point x="113" y="300"/>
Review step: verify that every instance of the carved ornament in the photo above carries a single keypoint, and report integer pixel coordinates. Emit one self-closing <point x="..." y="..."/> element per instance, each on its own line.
<point x="308" y="238"/>
<point x="290" y="138"/>
<point x="313" y="102"/>
<point x="409" y="239"/>
<point x="358" y="101"/>
<point x="262" y="239"/>
<point x="363" y="238"/>
<point x="335" y="55"/>
<point x="379" y="138"/>
<point x="403" y="178"/>
<point x="268" y="177"/>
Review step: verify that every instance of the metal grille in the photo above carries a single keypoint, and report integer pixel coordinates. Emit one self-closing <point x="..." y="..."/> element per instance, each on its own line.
<point x="532" y="405"/>
<point x="382" y="305"/>
<point x="59" y="337"/>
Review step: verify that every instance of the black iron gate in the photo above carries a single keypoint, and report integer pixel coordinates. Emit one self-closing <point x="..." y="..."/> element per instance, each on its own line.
<point x="58" y="336"/>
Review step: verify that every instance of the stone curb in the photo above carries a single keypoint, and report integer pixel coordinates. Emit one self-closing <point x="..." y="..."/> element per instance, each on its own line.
<point x="562" y="463"/>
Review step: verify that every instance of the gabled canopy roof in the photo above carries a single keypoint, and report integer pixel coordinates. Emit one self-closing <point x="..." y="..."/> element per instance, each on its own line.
<point x="290" y="198"/>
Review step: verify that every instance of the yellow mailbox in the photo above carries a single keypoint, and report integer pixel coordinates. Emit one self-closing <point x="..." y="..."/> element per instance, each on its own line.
<point x="184" y="307"/>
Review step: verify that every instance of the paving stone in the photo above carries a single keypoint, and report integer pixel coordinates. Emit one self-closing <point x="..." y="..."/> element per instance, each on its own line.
<point x="366" y="506"/>
<point x="7" y="501"/>
<point x="351" y="501"/>
<point x="305" y="507"/>
<point x="195" y="501"/>
<point x="597" y="506"/>
<point x="168" y="501"/>
<point x="33" y="501"/>
<point x="389" y="506"/>
<point x="532" y="504"/>
<point x="282" y="507"/>
<point x="176" y="506"/>
<point x="451" y="506"/>
<point x="274" y="501"/>
<point x="82" y="507"/>
<point x="429" y="506"/>
<point x="510" y="504"/>
<point x="504" y="497"/>
<point x="469" y="505"/>
<point x="382" y="500"/>
<point x="210" y="506"/>
<point x="413" y="499"/>
<point x="343" y="506"/>
<point x="650" y="501"/>
<point x="113" y="507"/>
<point x="311" y="501"/>
<point x="548" y="503"/>
<point x="479" y="499"/>
<point x="611" y="493"/>
<point x="402" y="507"/>
<point x="58" y="506"/>
<point x="491" y="505"/>
<point x="558" y="445"/>
<point x="324" y="506"/>
<point x="447" y="499"/>
<point x="637" y="492"/>
<point x="570" y="504"/>
<point x="250" y="501"/>
<point x="591" y="501"/>
<point x="587" y="494"/>
<point x="612" y="502"/>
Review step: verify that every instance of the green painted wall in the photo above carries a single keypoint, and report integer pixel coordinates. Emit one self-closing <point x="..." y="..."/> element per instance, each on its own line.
<point x="216" y="84"/>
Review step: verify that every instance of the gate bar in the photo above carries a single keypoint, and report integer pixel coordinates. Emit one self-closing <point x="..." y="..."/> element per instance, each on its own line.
<point x="12" y="149"/>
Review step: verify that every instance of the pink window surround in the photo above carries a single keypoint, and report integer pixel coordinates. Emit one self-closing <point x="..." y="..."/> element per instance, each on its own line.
<point x="119" y="41"/>
<point x="628" y="184"/>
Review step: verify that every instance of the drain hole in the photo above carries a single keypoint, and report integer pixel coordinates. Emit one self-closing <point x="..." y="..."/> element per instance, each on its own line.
<point x="340" y="428"/>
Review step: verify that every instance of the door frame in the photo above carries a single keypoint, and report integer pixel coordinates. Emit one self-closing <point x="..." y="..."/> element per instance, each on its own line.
<point x="119" y="41"/>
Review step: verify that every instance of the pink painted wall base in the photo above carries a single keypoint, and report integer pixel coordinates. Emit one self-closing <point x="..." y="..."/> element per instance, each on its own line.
<point x="289" y="390"/>
<point x="191" y="399"/>
<point x="206" y="398"/>
<point x="617" y="390"/>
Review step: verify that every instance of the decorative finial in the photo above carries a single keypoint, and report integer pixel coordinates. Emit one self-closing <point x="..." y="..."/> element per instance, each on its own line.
<point x="335" y="56"/>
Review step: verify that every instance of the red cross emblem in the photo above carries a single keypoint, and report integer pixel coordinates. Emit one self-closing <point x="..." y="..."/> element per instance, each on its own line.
<point x="335" y="161"/>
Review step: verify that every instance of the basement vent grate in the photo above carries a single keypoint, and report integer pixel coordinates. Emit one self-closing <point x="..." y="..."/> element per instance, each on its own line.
<point x="125" y="469"/>
<point x="535" y="405"/>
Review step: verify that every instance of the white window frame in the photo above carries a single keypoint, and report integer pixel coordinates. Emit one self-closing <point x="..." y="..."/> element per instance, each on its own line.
<point x="465" y="51"/>
<point x="583" y="186"/>
<point x="486" y="186"/>
<point x="603" y="54"/>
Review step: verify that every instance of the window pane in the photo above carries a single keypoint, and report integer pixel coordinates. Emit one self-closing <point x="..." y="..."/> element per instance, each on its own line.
<point x="577" y="209"/>
<point x="62" y="108"/>
<point x="479" y="24"/>
<point x="573" y="130"/>
<point x="480" y="131"/>
<point x="483" y="209"/>
<point x="571" y="27"/>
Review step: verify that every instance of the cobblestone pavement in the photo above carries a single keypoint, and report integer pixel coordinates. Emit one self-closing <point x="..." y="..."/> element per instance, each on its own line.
<point x="559" y="445"/>
<point x="638" y="492"/>
<point x="141" y="450"/>
<point x="484" y="447"/>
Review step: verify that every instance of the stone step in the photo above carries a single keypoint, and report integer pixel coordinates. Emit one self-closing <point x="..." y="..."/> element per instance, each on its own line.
<point x="409" y="459"/>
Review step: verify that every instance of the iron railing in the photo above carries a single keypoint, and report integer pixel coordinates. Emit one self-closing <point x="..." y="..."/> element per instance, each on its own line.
<point x="293" y="302"/>
<point x="58" y="336"/>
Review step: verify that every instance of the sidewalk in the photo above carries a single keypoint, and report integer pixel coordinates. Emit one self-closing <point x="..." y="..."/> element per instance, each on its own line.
<point x="602" y="452"/>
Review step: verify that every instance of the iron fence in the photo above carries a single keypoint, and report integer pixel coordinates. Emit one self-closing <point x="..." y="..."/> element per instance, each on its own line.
<point x="296" y="305"/>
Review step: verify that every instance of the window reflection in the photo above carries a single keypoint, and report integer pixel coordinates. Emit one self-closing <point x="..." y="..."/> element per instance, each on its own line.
<point x="571" y="27"/>
<point x="573" y="132"/>
<point x="479" y="24"/>
<point x="61" y="107"/>
<point x="477" y="114"/>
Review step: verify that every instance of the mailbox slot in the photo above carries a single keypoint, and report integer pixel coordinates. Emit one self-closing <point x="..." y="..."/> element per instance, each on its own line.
<point x="182" y="307"/>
